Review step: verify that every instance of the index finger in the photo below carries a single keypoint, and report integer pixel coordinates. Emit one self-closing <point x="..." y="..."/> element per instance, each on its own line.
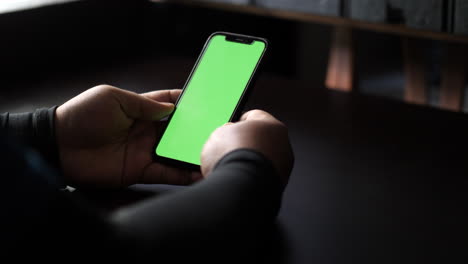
<point x="165" y="96"/>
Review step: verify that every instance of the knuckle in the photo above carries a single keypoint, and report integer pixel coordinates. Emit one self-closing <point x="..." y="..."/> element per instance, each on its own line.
<point x="256" y="112"/>
<point x="104" y="88"/>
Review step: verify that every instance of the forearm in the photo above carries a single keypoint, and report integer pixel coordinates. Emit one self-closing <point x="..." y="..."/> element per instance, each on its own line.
<point x="35" y="130"/>
<point x="240" y="199"/>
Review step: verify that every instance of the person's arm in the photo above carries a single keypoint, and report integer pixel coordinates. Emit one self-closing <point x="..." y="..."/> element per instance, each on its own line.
<point x="107" y="134"/>
<point x="41" y="221"/>
<point x="237" y="203"/>
<point x="35" y="130"/>
<point x="230" y="210"/>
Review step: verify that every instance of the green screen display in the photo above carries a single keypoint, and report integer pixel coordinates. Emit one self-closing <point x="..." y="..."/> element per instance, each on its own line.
<point x="210" y="97"/>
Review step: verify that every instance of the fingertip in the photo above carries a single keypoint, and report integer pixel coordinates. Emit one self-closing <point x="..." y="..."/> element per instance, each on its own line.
<point x="167" y="104"/>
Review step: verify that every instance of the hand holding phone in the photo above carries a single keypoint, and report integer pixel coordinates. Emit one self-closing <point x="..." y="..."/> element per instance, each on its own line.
<point x="257" y="130"/>
<point x="213" y="95"/>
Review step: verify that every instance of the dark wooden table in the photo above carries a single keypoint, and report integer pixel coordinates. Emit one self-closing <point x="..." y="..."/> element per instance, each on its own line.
<point x="375" y="181"/>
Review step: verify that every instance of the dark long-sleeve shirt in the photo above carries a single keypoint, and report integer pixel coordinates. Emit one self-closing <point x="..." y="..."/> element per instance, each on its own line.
<point x="227" y="213"/>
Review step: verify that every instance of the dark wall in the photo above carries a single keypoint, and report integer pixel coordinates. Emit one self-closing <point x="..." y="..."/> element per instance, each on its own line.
<point x="87" y="35"/>
<point x="191" y="26"/>
<point x="419" y="14"/>
<point x="83" y="34"/>
<point x="434" y="15"/>
<point x="323" y="7"/>
<point x="68" y="36"/>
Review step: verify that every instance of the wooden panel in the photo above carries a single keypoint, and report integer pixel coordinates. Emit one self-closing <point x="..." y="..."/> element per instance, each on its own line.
<point x="454" y="72"/>
<point x="323" y="7"/>
<point x="242" y="2"/>
<point x="414" y="69"/>
<point x="340" y="74"/>
<point x="461" y="17"/>
<point x="326" y="20"/>
<point x="420" y="14"/>
<point x="368" y="10"/>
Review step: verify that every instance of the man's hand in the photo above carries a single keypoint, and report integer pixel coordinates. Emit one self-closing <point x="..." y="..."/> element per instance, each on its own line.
<point x="106" y="136"/>
<point x="256" y="130"/>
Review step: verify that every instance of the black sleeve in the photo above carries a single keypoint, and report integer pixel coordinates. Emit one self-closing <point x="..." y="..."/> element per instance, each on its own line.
<point x="39" y="221"/>
<point x="35" y="130"/>
<point x="236" y="204"/>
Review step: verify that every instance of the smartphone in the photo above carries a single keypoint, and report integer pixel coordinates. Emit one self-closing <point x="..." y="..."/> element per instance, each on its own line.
<point x="213" y="95"/>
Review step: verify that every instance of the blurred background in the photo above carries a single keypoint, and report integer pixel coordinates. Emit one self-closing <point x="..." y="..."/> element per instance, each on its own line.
<point x="53" y="49"/>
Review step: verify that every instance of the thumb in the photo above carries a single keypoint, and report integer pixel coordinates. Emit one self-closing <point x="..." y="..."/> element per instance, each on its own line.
<point x="137" y="106"/>
<point x="153" y="110"/>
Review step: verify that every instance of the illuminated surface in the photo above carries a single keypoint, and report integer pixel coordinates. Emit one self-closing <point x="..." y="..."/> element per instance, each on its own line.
<point x="16" y="5"/>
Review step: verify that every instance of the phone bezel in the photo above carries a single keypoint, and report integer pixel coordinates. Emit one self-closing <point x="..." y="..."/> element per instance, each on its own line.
<point x="246" y="39"/>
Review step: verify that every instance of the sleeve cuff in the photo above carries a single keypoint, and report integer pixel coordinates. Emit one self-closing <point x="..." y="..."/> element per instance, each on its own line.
<point x="252" y="159"/>
<point x="44" y="135"/>
<point x="36" y="130"/>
